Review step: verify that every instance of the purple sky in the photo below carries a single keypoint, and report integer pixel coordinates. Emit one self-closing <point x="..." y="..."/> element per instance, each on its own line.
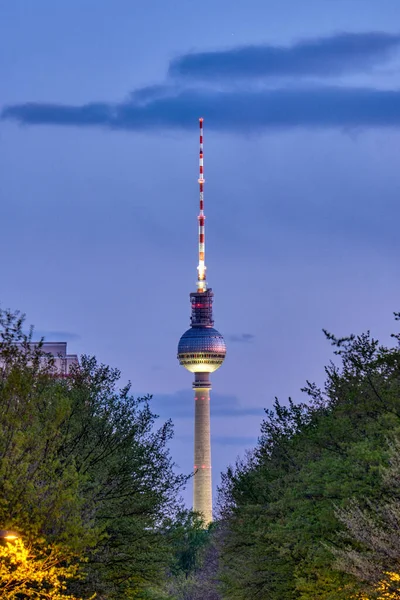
<point x="99" y="194"/>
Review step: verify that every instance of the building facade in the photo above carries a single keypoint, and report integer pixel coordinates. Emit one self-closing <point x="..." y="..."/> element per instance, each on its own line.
<point x="63" y="360"/>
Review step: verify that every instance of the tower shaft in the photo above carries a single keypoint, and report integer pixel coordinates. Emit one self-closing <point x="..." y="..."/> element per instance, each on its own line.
<point x="202" y="483"/>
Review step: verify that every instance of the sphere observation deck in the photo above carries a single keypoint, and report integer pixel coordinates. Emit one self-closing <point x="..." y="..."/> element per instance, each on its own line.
<point x="201" y="350"/>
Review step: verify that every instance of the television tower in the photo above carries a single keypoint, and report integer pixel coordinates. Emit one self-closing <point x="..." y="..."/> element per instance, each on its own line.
<point x="201" y="350"/>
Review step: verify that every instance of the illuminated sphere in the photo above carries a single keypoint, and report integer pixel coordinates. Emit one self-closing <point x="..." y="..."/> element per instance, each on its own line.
<point x="201" y="350"/>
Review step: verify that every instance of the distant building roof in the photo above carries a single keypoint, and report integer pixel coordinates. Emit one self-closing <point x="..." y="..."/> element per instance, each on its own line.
<point x="62" y="360"/>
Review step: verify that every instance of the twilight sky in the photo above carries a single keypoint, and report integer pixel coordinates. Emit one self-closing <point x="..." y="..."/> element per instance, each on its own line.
<point x="99" y="194"/>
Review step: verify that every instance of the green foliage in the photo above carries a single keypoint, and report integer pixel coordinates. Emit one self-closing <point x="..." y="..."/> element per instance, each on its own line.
<point x="278" y="506"/>
<point x="83" y="467"/>
<point x="371" y="548"/>
<point x="193" y="571"/>
<point x="313" y="513"/>
<point x="187" y="537"/>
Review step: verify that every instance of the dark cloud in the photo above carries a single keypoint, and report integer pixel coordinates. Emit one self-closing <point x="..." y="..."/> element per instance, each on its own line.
<point x="241" y="338"/>
<point x="180" y="405"/>
<point x="321" y="57"/>
<point x="93" y="114"/>
<point x="239" y="111"/>
<point x="173" y="105"/>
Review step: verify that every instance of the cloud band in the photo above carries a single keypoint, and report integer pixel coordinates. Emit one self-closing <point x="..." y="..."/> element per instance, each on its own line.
<point x="322" y="57"/>
<point x="314" y="107"/>
<point x="242" y="108"/>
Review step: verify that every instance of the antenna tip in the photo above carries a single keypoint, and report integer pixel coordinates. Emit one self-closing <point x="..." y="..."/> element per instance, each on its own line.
<point x="201" y="119"/>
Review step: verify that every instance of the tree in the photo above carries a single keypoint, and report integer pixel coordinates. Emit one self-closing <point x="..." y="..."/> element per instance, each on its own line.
<point x="192" y="574"/>
<point x="371" y="539"/>
<point x="278" y="506"/>
<point x="84" y="467"/>
<point x="40" y="575"/>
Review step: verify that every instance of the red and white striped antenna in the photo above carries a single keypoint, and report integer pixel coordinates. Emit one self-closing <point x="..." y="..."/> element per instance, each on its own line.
<point x="201" y="269"/>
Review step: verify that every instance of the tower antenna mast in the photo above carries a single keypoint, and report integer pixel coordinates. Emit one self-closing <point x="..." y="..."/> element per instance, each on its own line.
<point x="201" y="269"/>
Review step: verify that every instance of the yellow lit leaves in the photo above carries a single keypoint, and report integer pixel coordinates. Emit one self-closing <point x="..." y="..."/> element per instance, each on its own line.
<point x="385" y="588"/>
<point x="37" y="575"/>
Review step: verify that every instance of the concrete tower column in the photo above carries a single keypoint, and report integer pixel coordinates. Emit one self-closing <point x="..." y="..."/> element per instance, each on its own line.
<point x="202" y="484"/>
